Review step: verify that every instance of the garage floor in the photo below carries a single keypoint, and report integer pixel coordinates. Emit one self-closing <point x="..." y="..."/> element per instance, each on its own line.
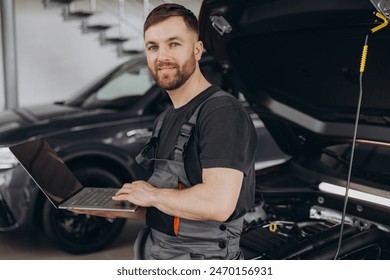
<point x="35" y="247"/>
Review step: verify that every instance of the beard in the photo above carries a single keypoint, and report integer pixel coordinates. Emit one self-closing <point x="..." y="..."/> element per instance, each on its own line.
<point x="169" y="81"/>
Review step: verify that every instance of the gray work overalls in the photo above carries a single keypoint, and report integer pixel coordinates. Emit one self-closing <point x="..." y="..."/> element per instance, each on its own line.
<point x="174" y="238"/>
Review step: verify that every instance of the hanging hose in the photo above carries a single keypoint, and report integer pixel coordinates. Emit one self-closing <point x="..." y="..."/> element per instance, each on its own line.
<point x="362" y="67"/>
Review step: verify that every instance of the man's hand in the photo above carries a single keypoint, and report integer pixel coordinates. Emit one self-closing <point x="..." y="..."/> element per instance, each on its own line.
<point x="137" y="192"/>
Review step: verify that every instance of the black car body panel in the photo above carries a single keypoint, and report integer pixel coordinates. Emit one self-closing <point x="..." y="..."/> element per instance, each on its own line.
<point x="279" y="45"/>
<point x="298" y="64"/>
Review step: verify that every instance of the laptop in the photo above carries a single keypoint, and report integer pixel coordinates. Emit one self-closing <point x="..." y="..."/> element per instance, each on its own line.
<point x="59" y="184"/>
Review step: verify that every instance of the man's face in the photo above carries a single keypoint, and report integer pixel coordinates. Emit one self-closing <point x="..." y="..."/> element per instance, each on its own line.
<point x="170" y="52"/>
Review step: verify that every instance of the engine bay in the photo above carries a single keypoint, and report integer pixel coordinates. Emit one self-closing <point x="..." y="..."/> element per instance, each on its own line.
<point x="304" y="223"/>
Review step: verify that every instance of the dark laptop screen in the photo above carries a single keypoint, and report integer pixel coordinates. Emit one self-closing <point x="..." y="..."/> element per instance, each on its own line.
<point x="47" y="170"/>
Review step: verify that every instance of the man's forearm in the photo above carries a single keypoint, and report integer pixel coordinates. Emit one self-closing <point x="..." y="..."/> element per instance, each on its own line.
<point x="197" y="203"/>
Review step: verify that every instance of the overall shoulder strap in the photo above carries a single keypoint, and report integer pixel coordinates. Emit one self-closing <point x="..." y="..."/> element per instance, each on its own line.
<point x="187" y="128"/>
<point x="151" y="144"/>
<point x="160" y="121"/>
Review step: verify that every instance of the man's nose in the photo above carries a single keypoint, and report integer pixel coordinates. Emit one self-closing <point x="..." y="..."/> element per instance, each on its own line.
<point x="163" y="54"/>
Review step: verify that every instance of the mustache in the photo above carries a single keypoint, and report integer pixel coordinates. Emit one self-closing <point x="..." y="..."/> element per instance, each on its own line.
<point x="166" y="64"/>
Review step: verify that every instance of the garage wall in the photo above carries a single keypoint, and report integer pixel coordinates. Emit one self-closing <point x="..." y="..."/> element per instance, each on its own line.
<point x="55" y="59"/>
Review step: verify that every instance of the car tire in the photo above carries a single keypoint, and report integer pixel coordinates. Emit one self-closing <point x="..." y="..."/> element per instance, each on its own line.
<point x="79" y="234"/>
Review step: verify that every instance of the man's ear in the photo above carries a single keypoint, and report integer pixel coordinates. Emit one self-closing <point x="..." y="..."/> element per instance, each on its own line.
<point x="198" y="50"/>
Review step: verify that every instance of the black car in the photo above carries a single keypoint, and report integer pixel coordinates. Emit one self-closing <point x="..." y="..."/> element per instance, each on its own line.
<point x="299" y="62"/>
<point x="98" y="133"/>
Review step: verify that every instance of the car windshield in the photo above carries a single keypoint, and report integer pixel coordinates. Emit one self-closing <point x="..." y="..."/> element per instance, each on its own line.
<point x="118" y="89"/>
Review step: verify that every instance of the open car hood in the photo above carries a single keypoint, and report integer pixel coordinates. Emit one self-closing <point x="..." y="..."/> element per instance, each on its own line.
<point x="298" y="62"/>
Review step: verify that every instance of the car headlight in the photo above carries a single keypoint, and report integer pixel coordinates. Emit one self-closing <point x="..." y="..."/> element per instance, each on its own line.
<point x="7" y="159"/>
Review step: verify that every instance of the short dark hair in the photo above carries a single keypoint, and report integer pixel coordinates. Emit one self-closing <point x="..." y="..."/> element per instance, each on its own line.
<point x="165" y="11"/>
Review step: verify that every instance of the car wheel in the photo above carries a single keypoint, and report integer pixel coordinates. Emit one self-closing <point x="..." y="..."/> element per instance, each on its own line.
<point x="80" y="234"/>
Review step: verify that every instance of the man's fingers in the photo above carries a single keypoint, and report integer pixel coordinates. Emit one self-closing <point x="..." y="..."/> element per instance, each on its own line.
<point x="122" y="191"/>
<point x="119" y="197"/>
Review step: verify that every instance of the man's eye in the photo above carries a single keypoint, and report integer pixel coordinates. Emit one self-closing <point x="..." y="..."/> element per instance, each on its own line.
<point x="174" y="44"/>
<point x="152" y="48"/>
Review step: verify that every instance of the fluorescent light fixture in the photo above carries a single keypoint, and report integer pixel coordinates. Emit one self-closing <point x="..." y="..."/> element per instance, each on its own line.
<point x="268" y="163"/>
<point x="334" y="189"/>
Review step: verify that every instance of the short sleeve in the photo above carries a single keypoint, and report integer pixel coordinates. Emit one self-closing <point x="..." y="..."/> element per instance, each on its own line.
<point x="227" y="136"/>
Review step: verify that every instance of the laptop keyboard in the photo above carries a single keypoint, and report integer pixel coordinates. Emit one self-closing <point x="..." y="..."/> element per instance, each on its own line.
<point x="96" y="197"/>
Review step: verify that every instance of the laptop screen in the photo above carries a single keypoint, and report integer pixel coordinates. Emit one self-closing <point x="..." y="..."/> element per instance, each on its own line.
<point x="47" y="169"/>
